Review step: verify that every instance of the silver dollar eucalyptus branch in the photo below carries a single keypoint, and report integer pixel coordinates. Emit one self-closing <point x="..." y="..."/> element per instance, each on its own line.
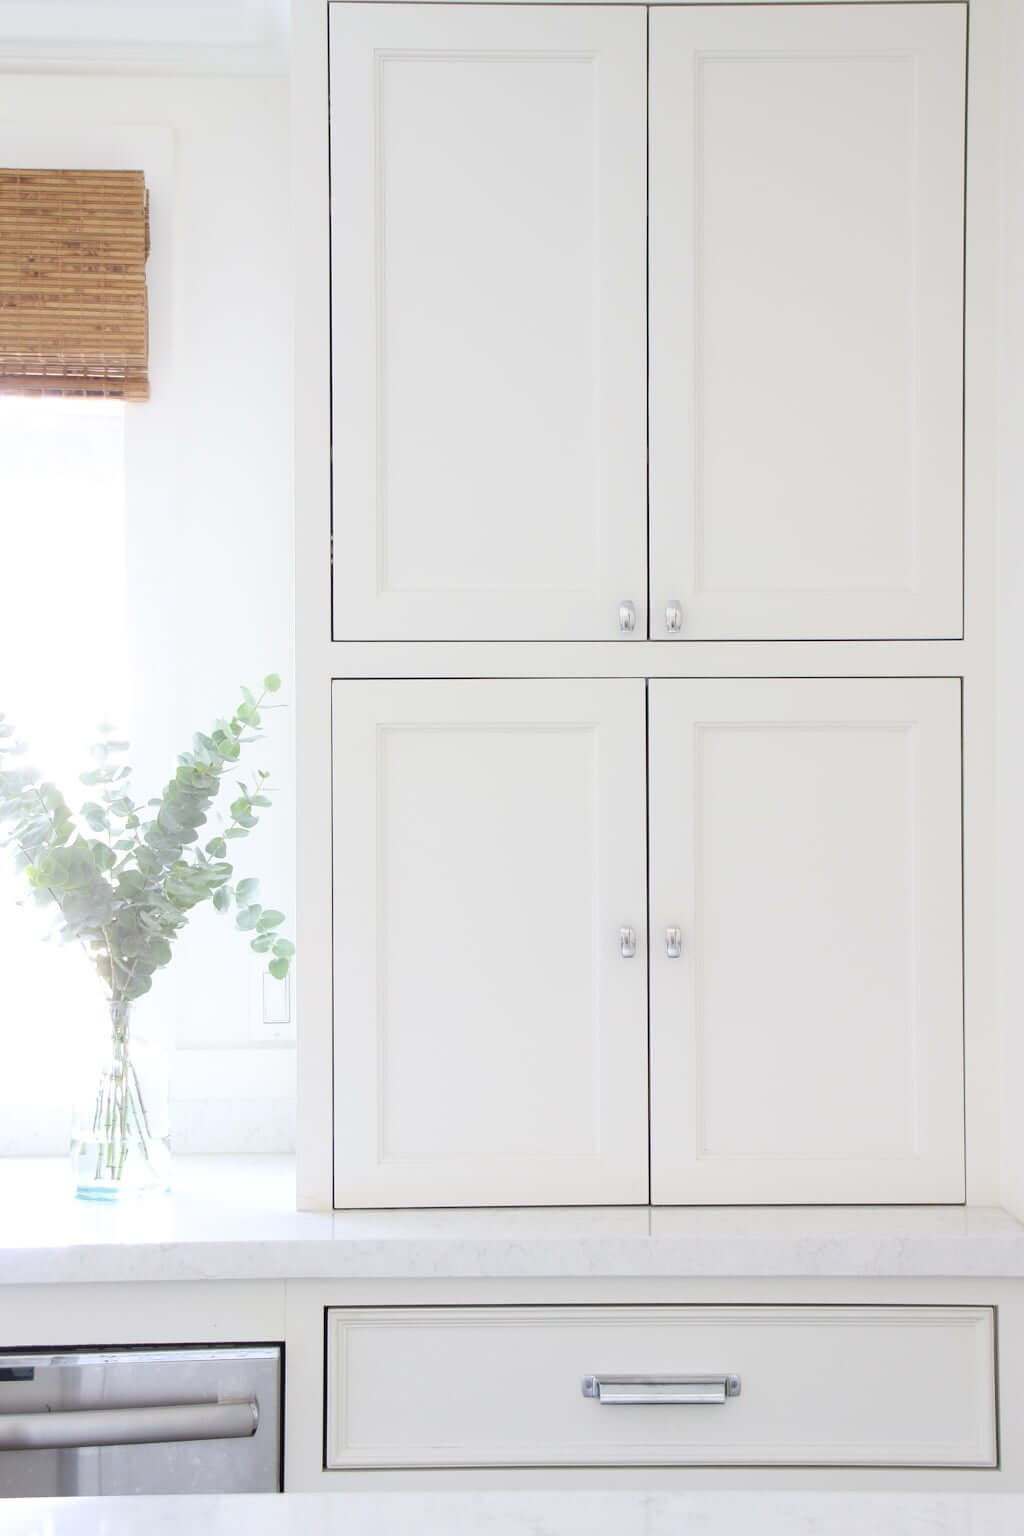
<point x="123" y="878"/>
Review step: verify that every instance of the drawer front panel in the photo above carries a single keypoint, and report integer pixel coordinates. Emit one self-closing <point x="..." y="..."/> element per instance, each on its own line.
<point x="759" y="1385"/>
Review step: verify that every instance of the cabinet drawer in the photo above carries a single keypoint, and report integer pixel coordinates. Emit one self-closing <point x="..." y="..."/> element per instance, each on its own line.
<point x="507" y="1386"/>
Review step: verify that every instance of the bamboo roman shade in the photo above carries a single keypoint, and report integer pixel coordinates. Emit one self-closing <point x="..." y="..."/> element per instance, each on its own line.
<point x="73" y="312"/>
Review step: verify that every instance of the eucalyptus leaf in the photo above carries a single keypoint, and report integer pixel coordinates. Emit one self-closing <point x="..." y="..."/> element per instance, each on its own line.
<point x="122" y="879"/>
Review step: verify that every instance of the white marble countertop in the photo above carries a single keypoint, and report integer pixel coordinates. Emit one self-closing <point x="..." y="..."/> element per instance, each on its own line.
<point x="523" y="1514"/>
<point x="232" y="1218"/>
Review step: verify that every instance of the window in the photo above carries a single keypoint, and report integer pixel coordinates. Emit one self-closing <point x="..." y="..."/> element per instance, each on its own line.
<point x="65" y="665"/>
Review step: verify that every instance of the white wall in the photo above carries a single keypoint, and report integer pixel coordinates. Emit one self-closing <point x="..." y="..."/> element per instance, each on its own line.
<point x="208" y="513"/>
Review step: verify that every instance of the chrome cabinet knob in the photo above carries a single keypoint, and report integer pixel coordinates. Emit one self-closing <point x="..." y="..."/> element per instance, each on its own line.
<point x="673" y="943"/>
<point x="627" y="617"/>
<point x="627" y="943"/>
<point x="673" y="617"/>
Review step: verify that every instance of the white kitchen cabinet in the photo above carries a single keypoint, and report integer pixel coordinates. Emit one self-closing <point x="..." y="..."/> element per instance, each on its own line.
<point x="488" y="189"/>
<point x="806" y="1027"/>
<point x="489" y="334"/>
<point x="490" y="957"/>
<point x="806" y="250"/>
<point x="813" y="786"/>
<point x="491" y="840"/>
<point x="660" y="1385"/>
<point x="492" y="363"/>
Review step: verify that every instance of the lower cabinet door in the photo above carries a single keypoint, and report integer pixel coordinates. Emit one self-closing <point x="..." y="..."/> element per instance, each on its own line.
<point x="490" y="943"/>
<point x="661" y="1385"/>
<point x="806" y="994"/>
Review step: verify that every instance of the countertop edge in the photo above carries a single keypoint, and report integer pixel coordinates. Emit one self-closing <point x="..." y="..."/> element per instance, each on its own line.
<point x="442" y="1259"/>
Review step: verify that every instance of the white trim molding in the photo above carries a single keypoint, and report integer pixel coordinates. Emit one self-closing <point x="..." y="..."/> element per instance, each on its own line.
<point x="166" y="37"/>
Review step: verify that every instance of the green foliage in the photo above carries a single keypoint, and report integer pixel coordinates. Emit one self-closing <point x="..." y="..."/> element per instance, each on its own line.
<point x="123" y="877"/>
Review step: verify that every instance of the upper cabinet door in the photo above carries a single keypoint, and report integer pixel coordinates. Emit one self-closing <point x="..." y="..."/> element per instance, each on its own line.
<point x="490" y="903"/>
<point x="488" y="184"/>
<point x="807" y="202"/>
<point x="806" y="1000"/>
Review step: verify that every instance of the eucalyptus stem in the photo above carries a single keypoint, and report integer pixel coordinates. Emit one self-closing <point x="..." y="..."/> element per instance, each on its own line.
<point x="120" y="1117"/>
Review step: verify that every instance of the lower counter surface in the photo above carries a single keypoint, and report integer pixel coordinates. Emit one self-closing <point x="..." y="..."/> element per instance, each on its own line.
<point x="522" y="1514"/>
<point x="234" y="1218"/>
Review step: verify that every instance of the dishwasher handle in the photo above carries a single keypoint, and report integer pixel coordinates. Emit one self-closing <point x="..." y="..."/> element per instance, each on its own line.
<point x="159" y="1423"/>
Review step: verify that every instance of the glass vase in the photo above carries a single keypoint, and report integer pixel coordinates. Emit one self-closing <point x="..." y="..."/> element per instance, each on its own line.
<point x="120" y="1143"/>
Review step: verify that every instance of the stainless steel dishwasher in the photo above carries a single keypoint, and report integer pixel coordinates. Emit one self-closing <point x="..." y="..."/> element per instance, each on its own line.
<point x="195" y="1419"/>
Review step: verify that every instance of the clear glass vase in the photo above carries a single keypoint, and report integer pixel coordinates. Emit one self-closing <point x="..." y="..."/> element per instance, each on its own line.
<point x="120" y="1142"/>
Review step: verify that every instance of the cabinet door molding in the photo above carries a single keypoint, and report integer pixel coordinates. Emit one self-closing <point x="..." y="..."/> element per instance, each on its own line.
<point x="488" y="187"/>
<point x="817" y="1386"/>
<point x="489" y="883"/>
<point x="806" y="229"/>
<point x="806" y="1038"/>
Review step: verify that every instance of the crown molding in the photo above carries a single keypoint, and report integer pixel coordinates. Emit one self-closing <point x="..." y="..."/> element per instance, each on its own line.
<point x="167" y="37"/>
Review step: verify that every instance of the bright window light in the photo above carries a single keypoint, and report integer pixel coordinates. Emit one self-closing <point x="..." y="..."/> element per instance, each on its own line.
<point x="64" y="667"/>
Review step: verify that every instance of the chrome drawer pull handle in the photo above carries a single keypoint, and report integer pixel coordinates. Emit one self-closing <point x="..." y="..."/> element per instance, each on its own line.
<point x="673" y="617"/>
<point x="673" y="943"/>
<point x="630" y="1391"/>
<point x="627" y="617"/>
<point x="627" y="943"/>
<point x="144" y="1425"/>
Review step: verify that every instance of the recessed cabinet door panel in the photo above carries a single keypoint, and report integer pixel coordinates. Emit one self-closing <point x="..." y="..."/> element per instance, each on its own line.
<point x="806" y="1031"/>
<point x="490" y="1035"/>
<point x="807" y="205"/>
<point x="488" y="169"/>
<point x="836" y="1386"/>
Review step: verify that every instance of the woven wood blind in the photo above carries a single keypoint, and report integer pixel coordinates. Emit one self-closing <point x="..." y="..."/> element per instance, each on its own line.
<point x="73" y="312"/>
